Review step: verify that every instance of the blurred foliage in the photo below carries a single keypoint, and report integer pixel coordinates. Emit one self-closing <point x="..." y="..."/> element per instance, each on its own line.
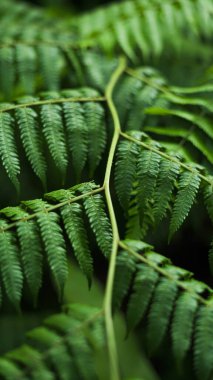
<point x="91" y="64"/>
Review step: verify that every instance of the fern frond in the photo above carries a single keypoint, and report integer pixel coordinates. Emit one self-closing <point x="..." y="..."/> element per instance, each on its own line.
<point x="26" y="67"/>
<point x="94" y="119"/>
<point x="172" y="302"/>
<point x="125" y="268"/>
<point x="9" y="370"/>
<point x="30" y="248"/>
<point x="59" y="358"/>
<point x="73" y="221"/>
<point x="147" y="172"/>
<point x="143" y="287"/>
<point x="35" y="236"/>
<point x="59" y="119"/>
<point x="79" y="346"/>
<point x="53" y="240"/>
<point x="168" y="173"/>
<point x="6" y="66"/>
<point x="183" y="325"/>
<point x="133" y="225"/>
<point x="51" y="73"/>
<point x="204" y="342"/>
<point x="152" y="36"/>
<point x="53" y="131"/>
<point x="62" y="348"/>
<point x="10" y="267"/>
<point x="202" y="122"/>
<point x="31" y="140"/>
<point x="99" y="222"/>
<point x="77" y="133"/>
<point x="160" y="313"/>
<point x="8" y="150"/>
<point x="188" y="187"/>
<point x="125" y="97"/>
<point x="125" y="171"/>
<point x="25" y="355"/>
<point x="189" y="122"/>
<point x="195" y="138"/>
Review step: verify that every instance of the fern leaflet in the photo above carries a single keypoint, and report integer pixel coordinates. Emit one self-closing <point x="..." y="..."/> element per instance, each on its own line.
<point x="10" y="268"/>
<point x="204" y="342"/>
<point x="73" y="221"/>
<point x="8" y="150"/>
<point x="188" y="187"/>
<point x="52" y="237"/>
<point x="125" y="171"/>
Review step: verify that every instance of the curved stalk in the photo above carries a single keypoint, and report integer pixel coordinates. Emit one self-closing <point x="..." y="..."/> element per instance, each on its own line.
<point x="113" y="357"/>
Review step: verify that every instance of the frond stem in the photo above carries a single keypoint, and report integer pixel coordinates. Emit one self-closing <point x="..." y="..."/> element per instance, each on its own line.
<point x="162" y="272"/>
<point x="113" y="357"/>
<point x="54" y="101"/>
<point x="167" y="156"/>
<point x="52" y="208"/>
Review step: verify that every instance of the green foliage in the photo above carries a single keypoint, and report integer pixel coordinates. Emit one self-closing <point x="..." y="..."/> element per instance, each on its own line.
<point x="64" y="126"/>
<point x="76" y="113"/>
<point x="37" y="224"/>
<point x="65" y="346"/>
<point x="169" y="302"/>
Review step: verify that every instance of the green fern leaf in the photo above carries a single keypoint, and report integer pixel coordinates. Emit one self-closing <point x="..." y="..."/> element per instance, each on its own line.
<point x="58" y="356"/>
<point x="183" y="325"/>
<point x="50" y="73"/>
<point x="30" y="136"/>
<point x="147" y="172"/>
<point x="99" y="221"/>
<point x="122" y="36"/>
<point x="126" y="96"/>
<point x="7" y="66"/>
<point x="143" y="287"/>
<point x="31" y="254"/>
<point x="77" y="132"/>
<point x="77" y="338"/>
<point x="203" y="346"/>
<point x="10" y="371"/>
<point x="168" y="173"/>
<point x="53" y="240"/>
<point x="53" y="131"/>
<point x="82" y="352"/>
<point x="201" y="122"/>
<point x="26" y="66"/>
<point x="125" y="268"/>
<point x="154" y="30"/>
<point x="55" y="248"/>
<point x="198" y="101"/>
<point x="125" y="171"/>
<point x="94" y="119"/>
<point x="188" y="187"/>
<point x="196" y="139"/>
<point x="160" y="313"/>
<point x="8" y="151"/>
<point x="30" y="248"/>
<point x="133" y="225"/>
<point x="189" y="13"/>
<point x="137" y="117"/>
<point x="27" y="355"/>
<point x="10" y="267"/>
<point x="136" y="29"/>
<point x="73" y="221"/>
